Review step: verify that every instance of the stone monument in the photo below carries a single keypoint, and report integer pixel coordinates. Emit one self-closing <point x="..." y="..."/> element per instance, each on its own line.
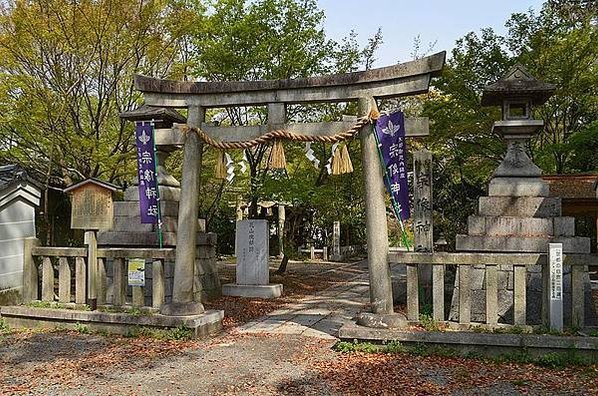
<point x="517" y="215"/>
<point x="253" y="272"/>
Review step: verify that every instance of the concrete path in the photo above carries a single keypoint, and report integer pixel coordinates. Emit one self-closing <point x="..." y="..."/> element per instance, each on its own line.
<point x="319" y="315"/>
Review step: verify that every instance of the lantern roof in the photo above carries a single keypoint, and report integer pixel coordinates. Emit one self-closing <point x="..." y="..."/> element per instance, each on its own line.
<point x="517" y="83"/>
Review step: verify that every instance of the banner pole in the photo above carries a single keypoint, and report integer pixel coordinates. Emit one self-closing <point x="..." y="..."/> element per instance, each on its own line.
<point x="395" y="205"/>
<point x="159" y="214"/>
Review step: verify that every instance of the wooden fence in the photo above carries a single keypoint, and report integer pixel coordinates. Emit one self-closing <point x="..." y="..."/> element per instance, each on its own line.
<point x="578" y="262"/>
<point x="42" y="262"/>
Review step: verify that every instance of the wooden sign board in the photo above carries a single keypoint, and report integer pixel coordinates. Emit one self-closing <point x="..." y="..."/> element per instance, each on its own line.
<point x="92" y="207"/>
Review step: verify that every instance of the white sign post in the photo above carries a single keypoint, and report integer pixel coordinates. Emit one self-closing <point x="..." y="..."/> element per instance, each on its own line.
<point x="555" y="263"/>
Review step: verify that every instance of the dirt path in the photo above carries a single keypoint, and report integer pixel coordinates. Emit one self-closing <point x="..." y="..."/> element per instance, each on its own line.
<point x="257" y="363"/>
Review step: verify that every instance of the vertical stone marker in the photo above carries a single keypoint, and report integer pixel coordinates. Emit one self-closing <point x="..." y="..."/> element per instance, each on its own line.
<point x="253" y="276"/>
<point x="422" y="216"/>
<point x="555" y="263"/>
<point x="336" y="241"/>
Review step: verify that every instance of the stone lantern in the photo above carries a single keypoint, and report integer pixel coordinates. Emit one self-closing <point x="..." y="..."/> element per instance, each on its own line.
<point x="516" y="93"/>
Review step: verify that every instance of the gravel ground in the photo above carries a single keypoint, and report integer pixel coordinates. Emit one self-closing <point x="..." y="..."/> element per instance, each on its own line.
<point x="70" y="363"/>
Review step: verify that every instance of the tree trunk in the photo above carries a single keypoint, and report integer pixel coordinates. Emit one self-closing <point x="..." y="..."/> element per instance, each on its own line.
<point x="283" y="265"/>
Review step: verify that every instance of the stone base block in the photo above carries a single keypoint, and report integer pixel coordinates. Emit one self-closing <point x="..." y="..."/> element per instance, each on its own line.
<point x="260" y="291"/>
<point x="521" y="226"/>
<point x="467" y="342"/>
<point x="518" y="187"/>
<point x="520" y="206"/>
<point x="167" y="193"/>
<point x="202" y="325"/>
<point x="474" y="243"/>
<point x="382" y="321"/>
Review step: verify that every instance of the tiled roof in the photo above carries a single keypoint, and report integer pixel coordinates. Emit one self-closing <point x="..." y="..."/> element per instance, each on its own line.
<point x="10" y="173"/>
<point x="573" y="186"/>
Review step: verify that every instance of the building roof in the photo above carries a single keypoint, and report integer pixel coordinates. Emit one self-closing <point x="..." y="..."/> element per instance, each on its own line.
<point x="573" y="186"/>
<point x="97" y="182"/>
<point x="13" y="173"/>
<point x="517" y="82"/>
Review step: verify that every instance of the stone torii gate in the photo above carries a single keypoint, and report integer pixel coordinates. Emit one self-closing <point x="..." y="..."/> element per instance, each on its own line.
<point x="405" y="79"/>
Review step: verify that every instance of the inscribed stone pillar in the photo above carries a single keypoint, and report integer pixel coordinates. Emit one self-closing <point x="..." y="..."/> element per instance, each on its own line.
<point x="336" y="241"/>
<point x="422" y="216"/>
<point x="184" y="268"/>
<point x="281" y="220"/>
<point x="375" y="210"/>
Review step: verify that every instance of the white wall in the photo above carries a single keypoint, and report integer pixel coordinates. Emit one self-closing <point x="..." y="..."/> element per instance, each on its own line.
<point x="17" y="222"/>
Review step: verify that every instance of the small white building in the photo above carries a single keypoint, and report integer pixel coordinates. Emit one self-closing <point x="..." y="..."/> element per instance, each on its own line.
<point x="19" y="196"/>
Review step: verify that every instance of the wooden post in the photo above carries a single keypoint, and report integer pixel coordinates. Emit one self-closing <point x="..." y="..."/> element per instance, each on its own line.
<point x="92" y="268"/>
<point x="422" y="216"/>
<point x="80" y="280"/>
<point x="438" y="292"/>
<point x="491" y="294"/>
<point x="375" y="210"/>
<point x="577" y="295"/>
<point x="184" y="269"/>
<point x="519" y="295"/>
<point x="555" y="283"/>
<point x="64" y="280"/>
<point x="325" y="253"/>
<point x="47" y="280"/>
<point x="312" y="252"/>
<point x="119" y="285"/>
<point x="30" y="275"/>
<point x="464" y="294"/>
<point x="157" y="284"/>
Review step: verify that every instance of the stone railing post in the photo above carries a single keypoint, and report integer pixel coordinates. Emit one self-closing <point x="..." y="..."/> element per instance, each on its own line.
<point x="30" y="275"/>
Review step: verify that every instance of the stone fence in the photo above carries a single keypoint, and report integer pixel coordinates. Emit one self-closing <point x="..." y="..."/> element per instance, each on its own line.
<point x="465" y="262"/>
<point x="60" y="274"/>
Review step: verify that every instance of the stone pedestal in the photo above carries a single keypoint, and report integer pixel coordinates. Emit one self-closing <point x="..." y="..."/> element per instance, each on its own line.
<point x="128" y="231"/>
<point x="253" y="273"/>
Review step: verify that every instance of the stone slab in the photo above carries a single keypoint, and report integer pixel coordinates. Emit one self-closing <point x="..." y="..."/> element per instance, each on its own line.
<point x="260" y="291"/>
<point x="518" y="187"/>
<point x="202" y="325"/>
<point x="166" y="193"/>
<point x="506" y="226"/>
<point x="140" y="238"/>
<point x="520" y="206"/>
<point x="475" y="243"/>
<point x="131" y="208"/>
<point x="252" y="249"/>
<point x="492" y="344"/>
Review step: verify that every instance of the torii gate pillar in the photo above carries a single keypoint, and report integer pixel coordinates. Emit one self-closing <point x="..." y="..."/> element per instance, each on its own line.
<point x="375" y="212"/>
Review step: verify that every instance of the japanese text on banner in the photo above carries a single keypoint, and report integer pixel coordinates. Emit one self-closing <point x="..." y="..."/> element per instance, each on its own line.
<point x="391" y="134"/>
<point x="146" y="168"/>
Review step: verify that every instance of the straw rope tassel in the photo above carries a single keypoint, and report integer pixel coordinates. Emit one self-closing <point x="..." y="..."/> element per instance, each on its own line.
<point x="346" y="160"/>
<point x="220" y="168"/>
<point x="277" y="158"/>
<point x="341" y="162"/>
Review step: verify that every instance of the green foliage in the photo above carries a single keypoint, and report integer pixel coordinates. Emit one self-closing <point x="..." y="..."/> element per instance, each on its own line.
<point x="81" y="328"/>
<point x="428" y="323"/>
<point x="180" y="333"/>
<point x="4" y="327"/>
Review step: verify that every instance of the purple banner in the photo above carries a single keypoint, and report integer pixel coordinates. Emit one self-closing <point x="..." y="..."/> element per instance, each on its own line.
<point x="391" y="135"/>
<point x="146" y="173"/>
